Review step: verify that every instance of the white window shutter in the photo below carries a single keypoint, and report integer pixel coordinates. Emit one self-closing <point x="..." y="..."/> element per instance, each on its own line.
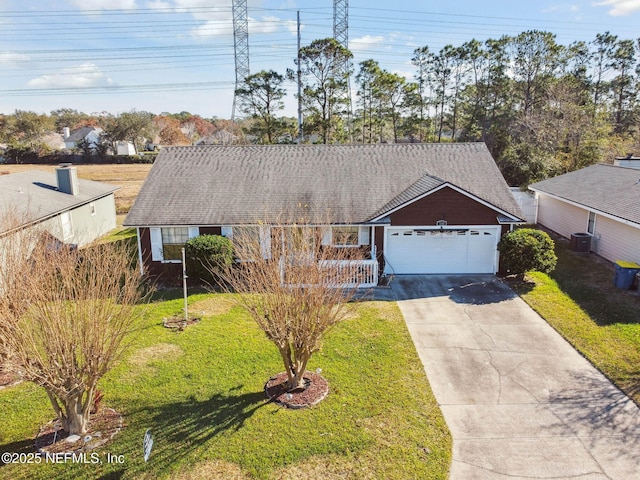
<point x="194" y="232"/>
<point x="265" y="241"/>
<point x="156" y="244"/>
<point x="226" y="232"/>
<point x="363" y="236"/>
<point x="326" y="235"/>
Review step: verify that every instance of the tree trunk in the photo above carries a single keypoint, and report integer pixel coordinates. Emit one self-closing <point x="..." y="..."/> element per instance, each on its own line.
<point x="285" y="353"/>
<point x="300" y="366"/>
<point x="77" y="417"/>
<point x="73" y="413"/>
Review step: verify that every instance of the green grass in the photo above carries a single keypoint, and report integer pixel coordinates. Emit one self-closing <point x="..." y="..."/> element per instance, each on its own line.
<point x="201" y="393"/>
<point x="121" y="234"/>
<point x="602" y="322"/>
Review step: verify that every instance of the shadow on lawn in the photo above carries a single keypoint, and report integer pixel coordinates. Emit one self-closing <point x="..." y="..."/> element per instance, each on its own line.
<point x="589" y="281"/>
<point x="21" y="446"/>
<point x="182" y="428"/>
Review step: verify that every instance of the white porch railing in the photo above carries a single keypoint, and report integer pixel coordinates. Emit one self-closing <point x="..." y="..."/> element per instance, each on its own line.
<point x="353" y="273"/>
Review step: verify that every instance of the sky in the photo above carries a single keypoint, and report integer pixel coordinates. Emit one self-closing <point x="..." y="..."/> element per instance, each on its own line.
<point x="160" y="56"/>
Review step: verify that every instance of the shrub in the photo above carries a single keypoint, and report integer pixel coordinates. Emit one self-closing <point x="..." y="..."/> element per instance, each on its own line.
<point x="527" y="249"/>
<point x="206" y="255"/>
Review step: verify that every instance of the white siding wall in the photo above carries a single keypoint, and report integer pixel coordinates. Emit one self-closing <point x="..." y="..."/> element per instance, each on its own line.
<point x="616" y="241"/>
<point x="561" y="217"/>
<point x="88" y="226"/>
<point x="612" y="240"/>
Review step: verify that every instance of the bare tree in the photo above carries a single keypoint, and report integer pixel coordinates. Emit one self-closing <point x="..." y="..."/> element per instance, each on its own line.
<point x="65" y="316"/>
<point x="295" y="286"/>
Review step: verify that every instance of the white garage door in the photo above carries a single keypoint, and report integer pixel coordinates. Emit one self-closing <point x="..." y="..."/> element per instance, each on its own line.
<point x="434" y="250"/>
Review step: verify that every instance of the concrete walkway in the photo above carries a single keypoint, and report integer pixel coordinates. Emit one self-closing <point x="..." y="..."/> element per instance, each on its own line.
<point x="520" y="402"/>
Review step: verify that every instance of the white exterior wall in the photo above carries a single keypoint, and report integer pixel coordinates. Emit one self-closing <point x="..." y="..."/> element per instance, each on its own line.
<point x="90" y="224"/>
<point x="561" y="217"/>
<point x="617" y="241"/>
<point x="612" y="240"/>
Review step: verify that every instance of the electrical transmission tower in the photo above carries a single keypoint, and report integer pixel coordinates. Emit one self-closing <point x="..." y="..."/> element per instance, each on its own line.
<point x="240" y="46"/>
<point x="341" y="34"/>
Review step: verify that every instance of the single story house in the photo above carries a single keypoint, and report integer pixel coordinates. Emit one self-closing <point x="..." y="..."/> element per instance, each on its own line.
<point x="601" y="200"/>
<point x="74" y="211"/>
<point x="417" y="208"/>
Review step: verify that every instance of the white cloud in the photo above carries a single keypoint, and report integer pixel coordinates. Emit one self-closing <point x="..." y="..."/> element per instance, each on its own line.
<point x="268" y="24"/>
<point x="82" y="76"/>
<point x="619" y="7"/>
<point x="209" y="28"/>
<point x="367" y="42"/>
<point x="13" y="59"/>
<point x="104" y="4"/>
<point x="159" y="5"/>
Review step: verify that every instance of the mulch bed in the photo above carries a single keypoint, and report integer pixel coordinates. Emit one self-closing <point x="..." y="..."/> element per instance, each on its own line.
<point x="315" y="390"/>
<point x="8" y="377"/>
<point x="178" y="323"/>
<point x="103" y="426"/>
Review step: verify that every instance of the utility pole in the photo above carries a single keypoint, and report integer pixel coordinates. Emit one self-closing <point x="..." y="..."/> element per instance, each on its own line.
<point x="240" y="46"/>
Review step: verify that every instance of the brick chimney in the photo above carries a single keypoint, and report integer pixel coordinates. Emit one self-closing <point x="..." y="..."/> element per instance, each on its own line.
<point x="67" y="179"/>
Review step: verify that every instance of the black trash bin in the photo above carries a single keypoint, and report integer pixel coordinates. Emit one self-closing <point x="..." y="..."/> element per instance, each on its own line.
<point x="625" y="274"/>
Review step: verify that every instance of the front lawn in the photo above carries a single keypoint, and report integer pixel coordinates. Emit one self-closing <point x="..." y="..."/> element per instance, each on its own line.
<point x="200" y="392"/>
<point x="602" y="322"/>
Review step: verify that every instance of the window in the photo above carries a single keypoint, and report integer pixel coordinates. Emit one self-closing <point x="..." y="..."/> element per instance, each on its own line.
<point x="345" y="236"/>
<point x="591" y="225"/>
<point x="173" y="239"/>
<point x="247" y="234"/>
<point x="92" y="208"/>
<point x="246" y="241"/>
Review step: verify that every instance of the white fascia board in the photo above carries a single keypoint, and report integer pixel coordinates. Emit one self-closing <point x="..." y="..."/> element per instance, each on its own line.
<point x="587" y="208"/>
<point x="453" y="187"/>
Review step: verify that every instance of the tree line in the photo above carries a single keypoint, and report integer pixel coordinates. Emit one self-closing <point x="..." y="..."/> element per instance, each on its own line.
<point x="542" y="108"/>
<point x="25" y="132"/>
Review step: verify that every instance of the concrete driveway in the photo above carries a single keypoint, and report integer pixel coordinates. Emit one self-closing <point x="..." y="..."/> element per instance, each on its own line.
<point x="519" y="400"/>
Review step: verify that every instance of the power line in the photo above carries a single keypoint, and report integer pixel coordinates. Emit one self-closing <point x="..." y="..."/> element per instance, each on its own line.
<point x="161" y="87"/>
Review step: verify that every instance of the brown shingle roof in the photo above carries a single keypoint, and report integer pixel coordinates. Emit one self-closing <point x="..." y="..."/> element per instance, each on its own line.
<point x="227" y="185"/>
<point x="605" y="188"/>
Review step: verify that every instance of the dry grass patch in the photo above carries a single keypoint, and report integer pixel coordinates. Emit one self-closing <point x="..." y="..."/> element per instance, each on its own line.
<point x="212" y="470"/>
<point x="142" y="360"/>
<point x="213" y="306"/>
<point x="332" y="467"/>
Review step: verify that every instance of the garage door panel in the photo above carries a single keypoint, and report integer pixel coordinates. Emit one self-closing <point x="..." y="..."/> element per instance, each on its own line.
<point x="423" y="250"/>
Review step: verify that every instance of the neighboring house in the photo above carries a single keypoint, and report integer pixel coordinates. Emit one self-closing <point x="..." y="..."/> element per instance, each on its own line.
<point x="74" y="211"/>
<point x="601" y="200"/>
<point x="421" y="208"/>
<point x="221" y="137"/>
<point x="90" y="135"/>
<point x="628" y="161"/>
